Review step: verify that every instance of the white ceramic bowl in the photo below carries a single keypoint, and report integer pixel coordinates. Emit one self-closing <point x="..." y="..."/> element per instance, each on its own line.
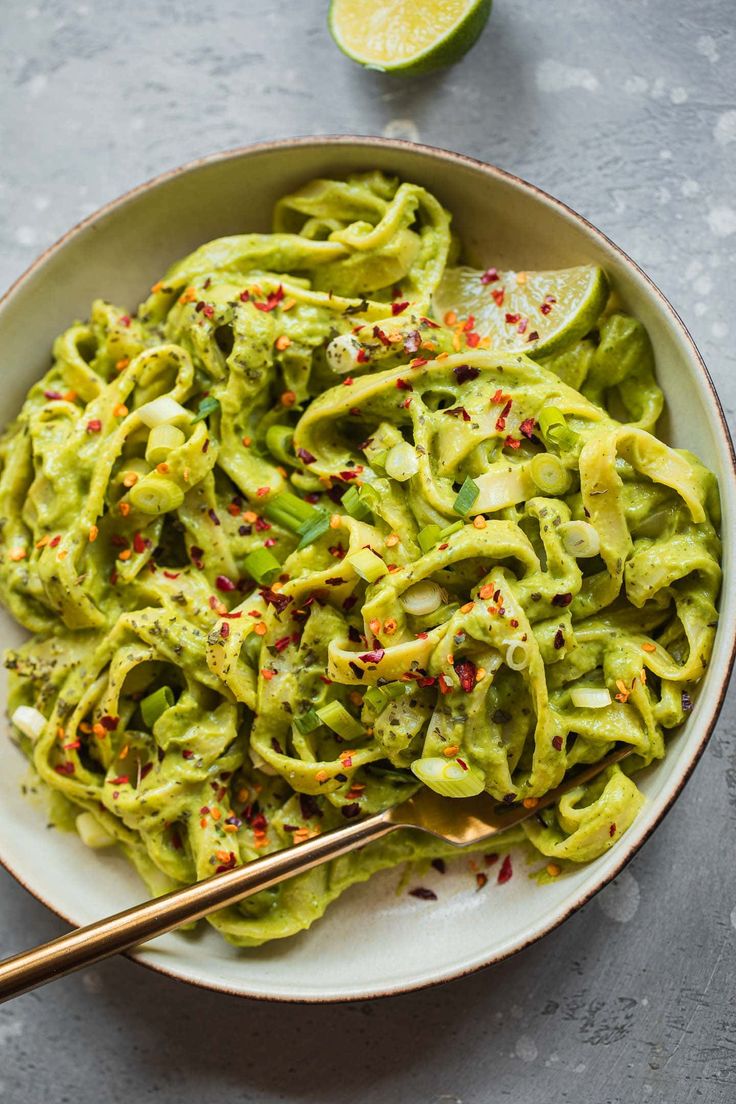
<point x="373" y="941"/>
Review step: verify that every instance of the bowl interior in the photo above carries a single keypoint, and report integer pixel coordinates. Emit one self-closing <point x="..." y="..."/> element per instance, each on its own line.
<point x="373" y="940"/>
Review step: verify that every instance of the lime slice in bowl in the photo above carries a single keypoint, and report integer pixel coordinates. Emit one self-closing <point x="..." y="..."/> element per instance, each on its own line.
<point x="535" y="312"/>
<point x="404" y="36"/>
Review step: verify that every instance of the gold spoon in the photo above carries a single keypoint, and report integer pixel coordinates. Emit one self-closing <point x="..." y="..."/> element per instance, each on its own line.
<point x="461" y="822"/>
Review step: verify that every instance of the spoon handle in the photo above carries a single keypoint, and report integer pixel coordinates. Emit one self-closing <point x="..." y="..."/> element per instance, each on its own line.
<point x="135" y="925"/>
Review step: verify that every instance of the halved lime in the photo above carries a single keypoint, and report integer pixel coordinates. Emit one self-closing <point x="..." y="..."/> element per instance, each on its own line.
<point x="407" y="36"/>
<point x="535" y="312"/>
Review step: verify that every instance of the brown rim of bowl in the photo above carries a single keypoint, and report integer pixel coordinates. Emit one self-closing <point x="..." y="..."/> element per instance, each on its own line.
<point x="337" y="140"/>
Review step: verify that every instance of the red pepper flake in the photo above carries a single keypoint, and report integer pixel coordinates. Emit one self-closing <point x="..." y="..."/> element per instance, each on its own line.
<point x="270" y="542"/>
<point x="94" y="426"/>
<point x="405" y="404"/>
<point x="64" y="768"/>
<point x="232" y="616"/>
<point x="521" y="328"/>
<point x="458" y="412"/>
<point x="380" y="335"/>
<point x="363" y="356"/>
<point x="501" y="419"/>
<point x="428" y="322"/>
<point x="355" y="411"/>
<point x="399" y="308"/>
<point x="481" y="879"/>
<point x="224" y="630"/>
<point x="512" y="319"/>
<point x="527" y="427"/>
<point x="121" y="780"/>
<point x="559" y="639"/>
<point x="282" y="643"/>
<point x="51" y="395"/>
<point x="473" y="340"/>
<point x="498" y="397"/>
<point x="512" y="442"/>
<point x="272" y="300"/>
<point x="222" y="582"/>
<point x="172" y="574"/>
<point x="231" y="861"/>
<point x="533" y="336"/>
<point x="423" y="894"/>
<point x="465" y="372"/>
<point x="612" y="830"/>
<point x="490" y="860"/>
<point x="465" y="671"/>
<point x="53" y="543"/>
<point x="404" y="385"/>
<point x="262" y="526"/>
<point x="372" y="657"/>
<point x="124" y="320"/>
<point x="561" y="599"/>
<point x="444" y="684"/>
<point x="187" y="754"/>
<point x="244" y="296"/>
<point x="348" y="381"/>
<point x="506" y="872"/>
<point x="489" y="276"/>
<point x="499" y="295"/>
<point x="109" y="723"/>
<point x="418" y="362"/>
<point x="557" y="743"/>
<point x="468" y="323"/>
<point x="139" y="542"/>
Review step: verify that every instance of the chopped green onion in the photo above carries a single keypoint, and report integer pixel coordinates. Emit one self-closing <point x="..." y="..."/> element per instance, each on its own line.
<point x="450" y="529"/>
<point x="252" y="649"/>
<point x="279" y="442"/>
<point x="336" y="717"/>
<point x="428" y="537"/>
<point x="156" y="495"/>
<point x="315" y="527"/>
<point x="549" y="474"/>
<point x="262" y="566"/>
<point x="155" y="704"/>
<point x="162" y="440"/>
<point x="31" y="722"/>
<point x="555" y="430"/>
<point x="162" y="411"/>
<point x="207" y="406"/>
<point x="354" y="503"/>
<point x="378" y="697"/>
<point x="517" y="655"/>
<point x="449" y="777"/>
<point x="580" y="539"/>
<point x="466" y="496"/>
<point x="590" y="698"/>
<point x="501" y="489"/>
<point x="91" y="832"/>
<point x="422" y="598"/>
<point x="290" y="511"/>
<point x="308" y="722"/>
<point x="368" y="565"/>
<point x="402" y="462"/>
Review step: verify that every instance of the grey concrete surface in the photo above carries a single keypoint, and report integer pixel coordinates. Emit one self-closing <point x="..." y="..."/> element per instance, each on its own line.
<point x="627" y="112"/>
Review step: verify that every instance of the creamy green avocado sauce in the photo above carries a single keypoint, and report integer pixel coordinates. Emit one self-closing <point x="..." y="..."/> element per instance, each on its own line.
<point x="290" y="545"/>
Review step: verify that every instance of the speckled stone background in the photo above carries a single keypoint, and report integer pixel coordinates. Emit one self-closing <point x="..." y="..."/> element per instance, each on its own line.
<point x="626" y="111"/>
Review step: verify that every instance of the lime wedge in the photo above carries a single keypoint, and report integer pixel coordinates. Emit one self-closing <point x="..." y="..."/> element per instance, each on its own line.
<point x="538" y="313"/>
<point x="404" y="36"/>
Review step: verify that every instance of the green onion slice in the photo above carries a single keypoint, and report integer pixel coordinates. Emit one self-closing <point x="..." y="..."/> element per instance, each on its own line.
<point x="207" y="406"/>
<point x="466" y="496"/>
<point x="155" y="704"/>
<point x="336" y="717"/>
<point x="262" y="566"/>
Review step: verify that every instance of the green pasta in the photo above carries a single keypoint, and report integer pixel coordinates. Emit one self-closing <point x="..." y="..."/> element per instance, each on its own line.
<point x="289" y="546"/>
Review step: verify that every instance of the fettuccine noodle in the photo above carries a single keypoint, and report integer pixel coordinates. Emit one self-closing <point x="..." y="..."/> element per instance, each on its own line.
<point x="289" y="547"/>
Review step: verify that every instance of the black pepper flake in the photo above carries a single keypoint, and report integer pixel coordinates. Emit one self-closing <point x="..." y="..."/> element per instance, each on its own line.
<point x="423" y="894"/>
<point x="350" y="811"/>
<point x="439" y="864"/>
<point x="559" y="639"/>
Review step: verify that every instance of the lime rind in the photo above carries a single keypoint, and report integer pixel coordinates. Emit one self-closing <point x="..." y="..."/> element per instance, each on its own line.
<point x="449" y="47"/>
